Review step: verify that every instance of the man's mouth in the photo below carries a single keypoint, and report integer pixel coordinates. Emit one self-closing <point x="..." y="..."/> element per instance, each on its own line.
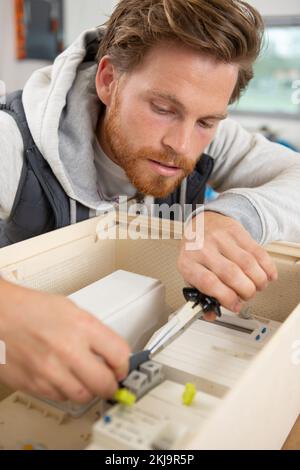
<point x="164" y="169"/>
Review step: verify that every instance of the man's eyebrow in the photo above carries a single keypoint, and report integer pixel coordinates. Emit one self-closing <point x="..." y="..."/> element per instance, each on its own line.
<point x="174" y="100"/>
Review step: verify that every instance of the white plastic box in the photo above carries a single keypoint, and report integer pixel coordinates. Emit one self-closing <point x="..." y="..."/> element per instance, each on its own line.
<point x="131" y="304"/>
<point x="261" y="407"/>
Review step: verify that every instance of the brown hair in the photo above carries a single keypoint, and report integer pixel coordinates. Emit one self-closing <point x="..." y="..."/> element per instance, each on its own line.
<point x="229" y="30"/>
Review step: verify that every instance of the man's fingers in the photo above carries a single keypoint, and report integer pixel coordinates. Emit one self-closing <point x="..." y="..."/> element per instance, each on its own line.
<point x="51" y="373"/>
<point x="19" y="378"/>
<point x="230" y="265"/>
<point x="246" y="262"/>
<point x="230" y="274"/>
<point x="266" y="263"/>
<point x="208" y="283"/>
<point x="210" y="316"/>
<point x="112" y="348"/>
<point x="95" y="374"/>
<point x="44" y="389"/>
<point x="66" y="383"/>
<point x="73" y="389"/>
<point x="260" y="254"/>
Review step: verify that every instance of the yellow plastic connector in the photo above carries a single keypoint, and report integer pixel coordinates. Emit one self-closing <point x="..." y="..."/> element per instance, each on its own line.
<point x="189" y="394"/>
<point x="27" y="447"/>
<point x="125" y="397"/>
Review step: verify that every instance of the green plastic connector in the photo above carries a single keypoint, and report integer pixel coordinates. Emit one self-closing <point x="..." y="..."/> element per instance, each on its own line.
<point x="125" y="397"/>
<point x="189" y="394"/>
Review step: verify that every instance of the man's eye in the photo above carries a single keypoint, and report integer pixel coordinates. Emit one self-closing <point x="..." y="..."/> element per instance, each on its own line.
<point x="159" y="110"/>
<point x="205" y="124"/>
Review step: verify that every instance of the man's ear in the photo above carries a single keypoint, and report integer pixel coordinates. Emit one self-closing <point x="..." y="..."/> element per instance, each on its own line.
<point x="106" y="80"/>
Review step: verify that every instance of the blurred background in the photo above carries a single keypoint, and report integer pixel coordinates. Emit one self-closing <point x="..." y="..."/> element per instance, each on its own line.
<point x="34" y="32"/>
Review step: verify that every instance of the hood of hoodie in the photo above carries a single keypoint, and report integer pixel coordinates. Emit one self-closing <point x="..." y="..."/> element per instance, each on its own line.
<point x="62" y="110"/>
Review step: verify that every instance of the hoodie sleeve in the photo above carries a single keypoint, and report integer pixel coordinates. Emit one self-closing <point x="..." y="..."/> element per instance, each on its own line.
<point x="259" y="182"/>
<point x="11" y="162"/>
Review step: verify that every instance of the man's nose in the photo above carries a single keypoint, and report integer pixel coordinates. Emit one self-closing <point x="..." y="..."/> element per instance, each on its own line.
<point x="178" y="138"/>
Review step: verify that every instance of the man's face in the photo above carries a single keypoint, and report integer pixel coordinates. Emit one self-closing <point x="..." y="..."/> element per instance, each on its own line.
<point x="161" y="116"/>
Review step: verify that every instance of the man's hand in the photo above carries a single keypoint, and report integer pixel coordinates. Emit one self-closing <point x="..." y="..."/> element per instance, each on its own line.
<point x="230" y="266"/>
<point x="52" y="347"/>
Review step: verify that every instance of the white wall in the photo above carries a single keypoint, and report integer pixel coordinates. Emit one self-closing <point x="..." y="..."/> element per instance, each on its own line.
<point x="85" y="14"/>
<point x="277" y="7"/>
<point x="13" y="72"/>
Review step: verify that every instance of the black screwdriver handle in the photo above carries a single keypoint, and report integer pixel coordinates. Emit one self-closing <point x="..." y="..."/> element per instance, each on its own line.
<point x="208" y="304"/>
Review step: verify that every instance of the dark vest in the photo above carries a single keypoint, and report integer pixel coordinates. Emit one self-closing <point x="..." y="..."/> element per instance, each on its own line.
<point x="41" y="204"/>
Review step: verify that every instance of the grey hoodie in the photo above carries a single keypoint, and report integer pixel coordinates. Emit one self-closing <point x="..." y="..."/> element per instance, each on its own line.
<point x="259" y="181"/>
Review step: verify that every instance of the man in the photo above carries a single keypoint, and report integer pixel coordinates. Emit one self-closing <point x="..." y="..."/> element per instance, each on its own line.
<point x="147" y="117"/>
